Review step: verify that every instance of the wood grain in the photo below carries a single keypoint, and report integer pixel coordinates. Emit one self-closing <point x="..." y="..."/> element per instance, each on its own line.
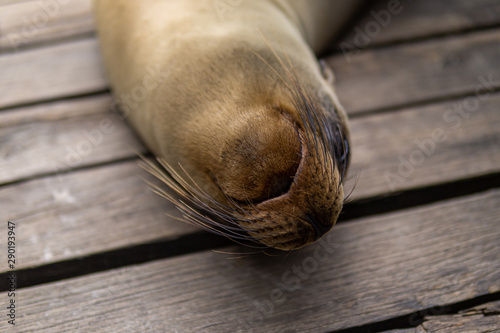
<point x="10" y="2"/>
<point x="55" y="138"/>
<point x="85" y="212"/>
<point x="461" y="324"/>
<point x="378" y="141"/>
<point x="364" y="271"/>
<point x="31" y="22"/>
<point x="377" y="268"/>
<point x="419" y="19"/>
<point x="483" y="318"/>
<point x="51" y="72"/>
<point x="387" y="148"/>
<point x="418" y="72"/>
<point x="422" y="146"/>
<point x="410" y="22"/>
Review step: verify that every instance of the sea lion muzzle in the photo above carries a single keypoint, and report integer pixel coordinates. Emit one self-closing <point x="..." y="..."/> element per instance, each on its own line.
<point x="243" y="119"/>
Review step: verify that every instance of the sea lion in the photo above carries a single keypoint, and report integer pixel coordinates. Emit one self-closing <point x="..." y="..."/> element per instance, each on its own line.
<point x="232" y="100"/>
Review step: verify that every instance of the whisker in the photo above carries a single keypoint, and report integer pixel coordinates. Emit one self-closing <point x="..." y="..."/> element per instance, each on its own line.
<point x="353" y="188"/>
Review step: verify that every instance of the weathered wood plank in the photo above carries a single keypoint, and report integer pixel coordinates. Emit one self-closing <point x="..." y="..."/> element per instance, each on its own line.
<point x="422" y="146"/>
<point x="461" y="324"/>
<point x="484" y="318"/>
<point x="86" y="212"/>
<point x="427" y="70"/>
<point x="25" y="23"/>
<point x="367" y="271"/>
<point x="406" y="74"/>
<point x="9" y="2"/>
<point x="60" y="136"/>
<point x="409" y="20"/>
<point x="406" y="20"/>
<point x="392" y="151"/>
<point x="378" y="142"/>
<point x="51" y="72"/>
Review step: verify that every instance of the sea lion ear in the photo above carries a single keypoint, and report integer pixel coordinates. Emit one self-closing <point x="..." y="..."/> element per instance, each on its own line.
<point x="327" y="72"/>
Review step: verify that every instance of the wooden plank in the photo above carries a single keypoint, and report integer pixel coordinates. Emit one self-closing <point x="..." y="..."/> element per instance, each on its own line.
<point x="366" y="271"/>
<point x="409" y="20"/>
<point x="422" y="146"/>
<point x="378" y="142"/>
<point x="418" y="72"/>
<point x="382" y="144"/>
<point x="9" y="2"/>
<point x="61" y="136"/>
<point x="86" y="212"/>
<point x="29" y="22"/>
<point x="51" y="72"/>
<point x="461" y="324"/>
<point x="484" y="318"/>
<point x="415" y="73"/>
<point x="384" y="24"/>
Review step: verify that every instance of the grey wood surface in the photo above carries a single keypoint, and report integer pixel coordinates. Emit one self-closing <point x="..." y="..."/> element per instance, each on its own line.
<point x="420" y="146"/>
<point x="55" y="138"/>
<point x="71" y="134"/>
<point x="86" y="212"/>
<point x="417" y="72"/>
<point x="76" y="204"/>
<point x="409" y="20"/>
<point x="10" y="2"/>
<point x="423" y="96"/>
<point x="384" y="23"/>
<point x="25" y="23"/>
<point x="51" y="72"/>
<point x="460" y="324"/>
<point x="483" y="318"/>
<point x="365" y="271"/>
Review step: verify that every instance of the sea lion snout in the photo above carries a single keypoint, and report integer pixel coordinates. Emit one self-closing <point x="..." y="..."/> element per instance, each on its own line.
<point x="260" y="161"/>
<point x="248" y="132"/>
<point x="285" y="184"/>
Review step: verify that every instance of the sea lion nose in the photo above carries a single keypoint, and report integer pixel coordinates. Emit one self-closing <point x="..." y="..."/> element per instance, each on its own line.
<point x="259" y="163"/>
<point x="319" y="228"/>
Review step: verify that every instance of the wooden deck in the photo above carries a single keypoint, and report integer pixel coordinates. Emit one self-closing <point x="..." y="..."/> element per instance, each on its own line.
<point x="416" y="250"/>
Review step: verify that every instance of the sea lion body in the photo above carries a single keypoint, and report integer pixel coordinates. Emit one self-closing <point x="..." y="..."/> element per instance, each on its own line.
<point x="213" y="92"/>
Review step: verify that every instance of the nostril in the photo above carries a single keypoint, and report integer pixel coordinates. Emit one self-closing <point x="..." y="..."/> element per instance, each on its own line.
<point x="319" y="228"/>
<point x="279" y="185"/>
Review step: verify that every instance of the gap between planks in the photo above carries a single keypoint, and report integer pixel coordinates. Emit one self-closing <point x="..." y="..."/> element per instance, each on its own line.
<point x="480" y="318"/>
<point x="196" y="241"/>
<point x="369" y="271"/>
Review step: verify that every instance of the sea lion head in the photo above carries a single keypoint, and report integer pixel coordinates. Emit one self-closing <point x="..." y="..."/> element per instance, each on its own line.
<point x="277" y="175"/>
<point x="281" y="179"/>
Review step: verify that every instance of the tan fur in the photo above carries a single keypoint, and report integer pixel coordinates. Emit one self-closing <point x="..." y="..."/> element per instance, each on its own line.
<point x="211" y="91"/>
